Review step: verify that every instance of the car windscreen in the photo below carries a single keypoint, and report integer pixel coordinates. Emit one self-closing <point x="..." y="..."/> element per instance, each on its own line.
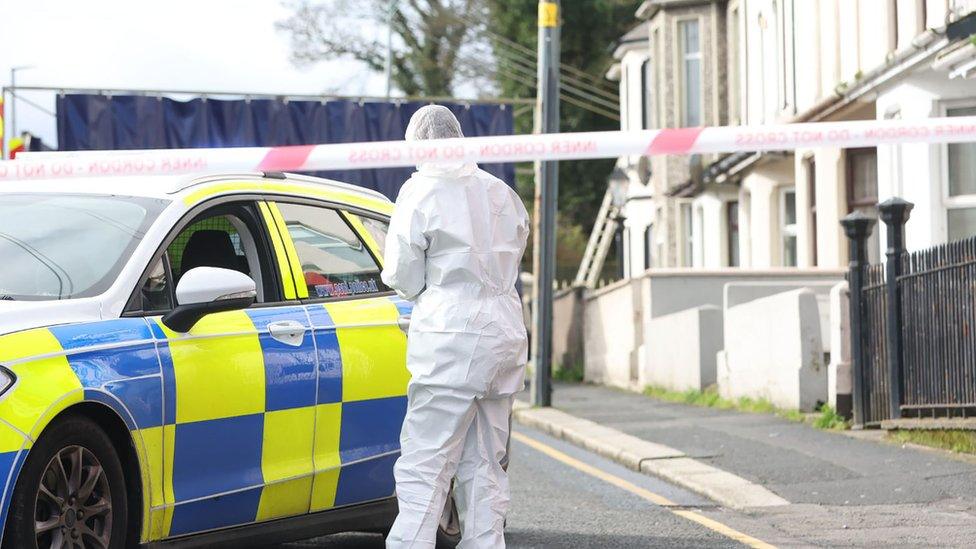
<point x="63" y="246"/>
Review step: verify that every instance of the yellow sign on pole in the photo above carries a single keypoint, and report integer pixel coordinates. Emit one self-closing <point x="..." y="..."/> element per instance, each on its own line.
<point x="548" y="14"/>
<point x="1" y="127"/>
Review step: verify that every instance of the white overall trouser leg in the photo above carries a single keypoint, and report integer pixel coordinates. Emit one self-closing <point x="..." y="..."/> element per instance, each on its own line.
<point x="448" y="432"/>
<point x="481" y="491"/>
<point x="431" y="442"/>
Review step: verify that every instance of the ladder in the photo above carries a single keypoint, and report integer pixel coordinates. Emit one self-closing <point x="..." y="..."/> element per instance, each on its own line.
<point x="607" y="222"/>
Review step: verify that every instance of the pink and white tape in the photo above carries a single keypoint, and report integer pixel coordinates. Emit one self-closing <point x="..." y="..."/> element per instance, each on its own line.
<point x="509" y="148"/>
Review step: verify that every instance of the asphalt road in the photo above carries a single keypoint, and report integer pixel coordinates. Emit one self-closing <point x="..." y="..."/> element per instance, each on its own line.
<point x="590" y="502"/>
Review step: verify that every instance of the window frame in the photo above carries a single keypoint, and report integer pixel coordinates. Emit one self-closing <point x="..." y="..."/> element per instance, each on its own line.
<point x="787" y="230"/>
<point x="338" y="209"/>
<point x="681" y="58"/>
<point x="810" y="171"/>
<point x="732" y="244"/>
<point x="853" y="204"/>
<point x="648" y="115"/>
<point x="686" y="215"/>
<point x="269" y="273"/>
<point x="733" y="70"/>
<point x="958" y="202"/>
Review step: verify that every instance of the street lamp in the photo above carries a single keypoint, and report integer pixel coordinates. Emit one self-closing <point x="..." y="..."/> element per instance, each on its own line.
<point x="13" y="95"/>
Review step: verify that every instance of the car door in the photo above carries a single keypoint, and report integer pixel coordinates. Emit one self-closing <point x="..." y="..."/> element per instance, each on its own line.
<point x="239" y="387"/>
<point x="362" y="376"/>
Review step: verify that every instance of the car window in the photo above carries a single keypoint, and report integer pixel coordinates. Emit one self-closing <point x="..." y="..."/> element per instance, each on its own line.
<point x="334" y="261"/>
<point x="222" y="238"/>
<point x="63" y="246"/>
<point x="376" y="228"/>
<point x="156" y="293"/>
<point x="210" y="242"/>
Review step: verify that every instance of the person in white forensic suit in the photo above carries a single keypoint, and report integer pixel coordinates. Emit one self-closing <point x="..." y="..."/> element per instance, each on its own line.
<point x="455" y="243"/>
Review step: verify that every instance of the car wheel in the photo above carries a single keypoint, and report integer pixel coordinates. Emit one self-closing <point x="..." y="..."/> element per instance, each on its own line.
<point x="449" y="528"/>
<point x="70" y="493"/>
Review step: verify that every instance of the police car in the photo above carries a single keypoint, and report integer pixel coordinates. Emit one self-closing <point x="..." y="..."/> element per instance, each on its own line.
<point x="197" y="360"/>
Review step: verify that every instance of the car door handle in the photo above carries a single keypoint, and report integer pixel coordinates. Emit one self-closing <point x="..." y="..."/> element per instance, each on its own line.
<point x="288" y="332"/>
<point x="404" y="323"/>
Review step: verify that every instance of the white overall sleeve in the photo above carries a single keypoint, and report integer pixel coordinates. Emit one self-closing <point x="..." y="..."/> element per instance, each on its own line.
<point x="405" y="259"/>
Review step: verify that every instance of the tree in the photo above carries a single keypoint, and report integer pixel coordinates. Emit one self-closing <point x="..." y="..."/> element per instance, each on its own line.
<point x="432" y="38"/>
<point x="589" y="31"/>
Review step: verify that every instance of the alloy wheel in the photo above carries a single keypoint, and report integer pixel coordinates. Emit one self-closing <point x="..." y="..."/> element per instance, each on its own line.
<point x="73" y="504"/>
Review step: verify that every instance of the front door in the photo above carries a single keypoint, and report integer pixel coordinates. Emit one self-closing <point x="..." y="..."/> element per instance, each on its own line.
<point x="362" y="372"/>
<point x="239" y="387"/>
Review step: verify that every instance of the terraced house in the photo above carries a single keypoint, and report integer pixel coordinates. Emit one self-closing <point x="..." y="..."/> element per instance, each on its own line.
<point x="718" y="247"/>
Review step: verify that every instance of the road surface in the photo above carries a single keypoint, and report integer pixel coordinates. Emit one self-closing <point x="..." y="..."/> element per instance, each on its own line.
<point x="566" y="497"/>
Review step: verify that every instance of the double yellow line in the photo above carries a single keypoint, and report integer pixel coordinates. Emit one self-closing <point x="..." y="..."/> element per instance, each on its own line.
<point x="656" y="499"/>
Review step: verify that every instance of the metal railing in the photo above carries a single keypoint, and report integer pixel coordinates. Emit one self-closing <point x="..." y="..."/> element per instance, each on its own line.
<point x="913" y="324"/>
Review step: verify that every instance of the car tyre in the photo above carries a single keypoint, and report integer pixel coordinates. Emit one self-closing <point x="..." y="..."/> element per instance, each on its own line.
<point x="71" y="491"/>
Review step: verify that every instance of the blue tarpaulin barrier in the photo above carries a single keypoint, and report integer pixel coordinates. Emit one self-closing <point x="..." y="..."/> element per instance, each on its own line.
<point x="119" y="122"/>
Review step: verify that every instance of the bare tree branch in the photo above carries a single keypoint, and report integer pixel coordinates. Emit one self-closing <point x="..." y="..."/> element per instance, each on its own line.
<point x="429" y="36"/>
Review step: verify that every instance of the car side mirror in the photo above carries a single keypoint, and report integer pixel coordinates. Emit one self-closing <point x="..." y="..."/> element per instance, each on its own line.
<point x="207" y="290"/>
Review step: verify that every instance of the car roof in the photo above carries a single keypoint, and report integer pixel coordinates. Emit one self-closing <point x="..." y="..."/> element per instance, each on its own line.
<point x="194" y="188"/>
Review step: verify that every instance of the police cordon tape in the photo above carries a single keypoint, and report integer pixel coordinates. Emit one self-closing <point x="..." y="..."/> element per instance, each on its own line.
<point x="506" y="148"/>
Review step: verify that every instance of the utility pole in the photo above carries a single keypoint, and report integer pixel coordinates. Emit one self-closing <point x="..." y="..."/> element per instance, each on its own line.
<point x="546" y="191"/>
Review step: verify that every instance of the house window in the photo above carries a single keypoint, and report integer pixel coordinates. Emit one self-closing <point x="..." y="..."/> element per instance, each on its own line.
<point x="862" y="191"/>
<point x="788" y="226"/>
<point x="733" y="60"/>
<point x="687" y="236"/>
<point x="647" y="84"/>
<point x="862" y="179"/>
<point x="658" y="98"/>
<point x="732" y="219"/>
<point x="691" y="58"/>
<point x="648" y="246"/>
<point x="961" y="175"/>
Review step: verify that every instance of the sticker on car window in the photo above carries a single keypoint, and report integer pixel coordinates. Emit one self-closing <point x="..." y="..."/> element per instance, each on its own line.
<point x="342" y="289"/>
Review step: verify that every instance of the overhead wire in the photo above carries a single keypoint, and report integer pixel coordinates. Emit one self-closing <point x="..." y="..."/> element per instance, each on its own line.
<point x="511" y="54"/>
<point x="570" y="89"/>
<point x="529" y="51"/>
<point x="528" y="56"/>
<point x="563" y="96"/>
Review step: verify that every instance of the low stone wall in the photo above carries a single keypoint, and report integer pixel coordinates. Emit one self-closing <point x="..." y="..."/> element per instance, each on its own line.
<point x="567" y="328"/>
<point x="611" y="334"/>
<point x="839" y="381"/>
<point x="737" y="293"/>
<point x="681" y="349"/>
<point x="661" y="329"/>
<point x="773" y="350"/>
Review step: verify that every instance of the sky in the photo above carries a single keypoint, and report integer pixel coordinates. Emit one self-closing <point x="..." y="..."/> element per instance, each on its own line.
<point x="207" y="45"/>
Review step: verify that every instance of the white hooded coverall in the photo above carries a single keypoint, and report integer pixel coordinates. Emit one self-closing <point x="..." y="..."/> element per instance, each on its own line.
<point x="454" y="246"/>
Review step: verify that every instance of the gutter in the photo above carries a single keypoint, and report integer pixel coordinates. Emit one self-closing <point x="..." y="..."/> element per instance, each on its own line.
<point x="924" y="46"/>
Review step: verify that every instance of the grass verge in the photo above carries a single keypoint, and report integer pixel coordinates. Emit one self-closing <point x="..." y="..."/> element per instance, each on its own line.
<point x="568" y="372"/>
<point x="709" y="398"/>
<point x="963" y="442"/>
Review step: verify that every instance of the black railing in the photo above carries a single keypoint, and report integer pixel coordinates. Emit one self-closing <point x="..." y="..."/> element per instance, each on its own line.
<point x="913" y="324"/>
<point x="938" y="295"/>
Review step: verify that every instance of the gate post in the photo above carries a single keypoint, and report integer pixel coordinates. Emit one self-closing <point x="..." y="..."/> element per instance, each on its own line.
<point x="857" y="227"/>
<point x="895" y="213"/>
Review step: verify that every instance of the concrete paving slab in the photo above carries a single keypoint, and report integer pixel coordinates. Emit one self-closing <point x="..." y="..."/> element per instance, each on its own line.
<point x="792" y="460"/>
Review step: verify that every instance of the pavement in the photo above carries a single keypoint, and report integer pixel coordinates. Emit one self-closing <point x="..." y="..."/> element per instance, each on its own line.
<point x="835" y="489"/>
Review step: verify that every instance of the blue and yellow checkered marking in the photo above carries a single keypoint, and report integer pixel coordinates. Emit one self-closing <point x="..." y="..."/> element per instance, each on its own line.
<point x="329" y="358"/>
<point x="231" y="426"/>
<point x="289" y="370"/>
